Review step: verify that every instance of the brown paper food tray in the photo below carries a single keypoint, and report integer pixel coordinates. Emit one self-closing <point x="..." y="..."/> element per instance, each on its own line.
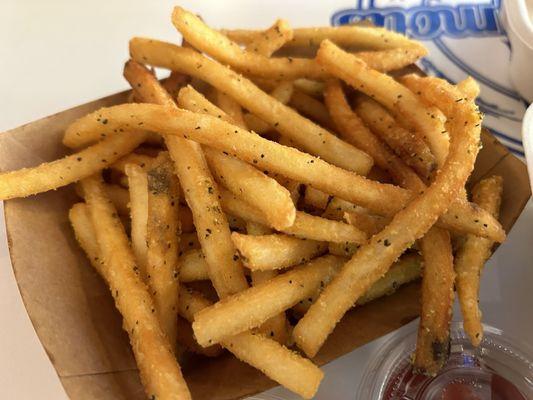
<point x="72" y="310"/>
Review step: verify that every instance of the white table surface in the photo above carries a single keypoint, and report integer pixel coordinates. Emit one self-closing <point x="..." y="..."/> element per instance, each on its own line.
<point x="58" y="54"/>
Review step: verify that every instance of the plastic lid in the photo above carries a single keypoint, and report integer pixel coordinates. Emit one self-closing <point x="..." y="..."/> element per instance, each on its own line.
<point x="500" y="369"/>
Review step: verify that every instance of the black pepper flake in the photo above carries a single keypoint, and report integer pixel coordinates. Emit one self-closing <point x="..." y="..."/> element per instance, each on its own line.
<point x="235" y="257"/>
<point x="262" y="156"/>
<point x="105" y="121"/>
<point x="210" y="190"/>
<point x="79" y="158"/>
<point x="197" y="128"/>
<point x="386" y="243"/>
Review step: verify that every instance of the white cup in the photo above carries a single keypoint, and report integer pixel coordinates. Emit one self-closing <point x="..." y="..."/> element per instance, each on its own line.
<point x="527" y="139"/>
<point x="516" y="21"/>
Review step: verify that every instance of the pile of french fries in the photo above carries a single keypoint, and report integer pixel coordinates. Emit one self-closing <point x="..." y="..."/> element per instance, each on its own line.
<point x="290" y="186"/>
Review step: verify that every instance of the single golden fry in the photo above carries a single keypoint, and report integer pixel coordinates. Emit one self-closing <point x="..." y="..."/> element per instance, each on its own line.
<point x="138" y="205"/>
<point x="283" y="93"/>
<point x="469" y="87"/>
<point x="393" y="95"/>
<point x="120" y="198"/>
<point x="379" y="198"/>
<point x="186" y="339"/>
<point x="312" y="108"/>
<point x="55" y="174"/>
<point x="160" y="373"/>
<point x="315" y="198"/>
<point x="276" y="326"/>
<point x="189" y="241"/>
<point x="280" y="364"/>
<point x="292" y="186"/>
<point x="193" y="266"/>
<point x="310" y="87"/>
<point x="162" y="234"/>
<point x="433" y="342"/>
<point x="285" y="120"/>
<point x="231" y="108"/>
<point x="409" y="147"/>
<point x="354" y="131"/>
<point x="175" y="82"/>
<point x="275" y="251"/>
<point x="80" y="219"/>
<point x="142" y="160"/>
<point x="375" y="257"/>
<point x="252" y="307"/>
<point x="200" y="191"/>
<point x="392" y="59"/>
<point x="271" y="39"/>
<point x="471" y="257"/>
<point x="368" y="223"/>
<point x="345" y="36"/>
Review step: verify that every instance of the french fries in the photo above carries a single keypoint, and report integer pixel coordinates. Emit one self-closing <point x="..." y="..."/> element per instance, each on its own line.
<point x="380" y="198"/>
<point x="159" y="370"/>
<point x="469" y="88"/>
<point x="162" y="233"/>
<point x="315" y="198"/>
<point x="231" y="108"/>
<point x="275" y="251"/>
<point x="396" y="97"/>
<point x="373" y="259"/>
<point x="392" y="183"/>
<point x="311" y="107"/>
<point x="276" y="326"/>
<point x="274" y="360"/>
<point x="284" y="119"/>
<point x="138" y="205"/>
<point x="271" y="39"/>
<point x="471" y="257"/>
<point x="257" y="304"/>
<point x="305" y="226"/>
<point x="193" y="266"/>
<point x="405" y="270"/>
<point x="72" y="168"/>
<point x="353" y="130"/>
<point x="242" y="179"/>
<point x="200" y="193"/>
<point x="409" y="147"/>
<point x="142" y="160"/>
<point x="207" y="40"/>
<point x="347" y="36"/>
<point x="433" y="341"/>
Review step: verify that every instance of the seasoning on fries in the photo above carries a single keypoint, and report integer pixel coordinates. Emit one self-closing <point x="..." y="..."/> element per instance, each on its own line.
<point x="179" y="272"/>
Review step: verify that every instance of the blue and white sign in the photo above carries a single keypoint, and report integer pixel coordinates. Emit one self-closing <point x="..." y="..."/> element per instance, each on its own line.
<point x="464" y="38"/>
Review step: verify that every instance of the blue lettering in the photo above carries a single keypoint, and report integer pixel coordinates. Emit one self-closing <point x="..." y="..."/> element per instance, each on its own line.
<point x="424" y="22"/>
